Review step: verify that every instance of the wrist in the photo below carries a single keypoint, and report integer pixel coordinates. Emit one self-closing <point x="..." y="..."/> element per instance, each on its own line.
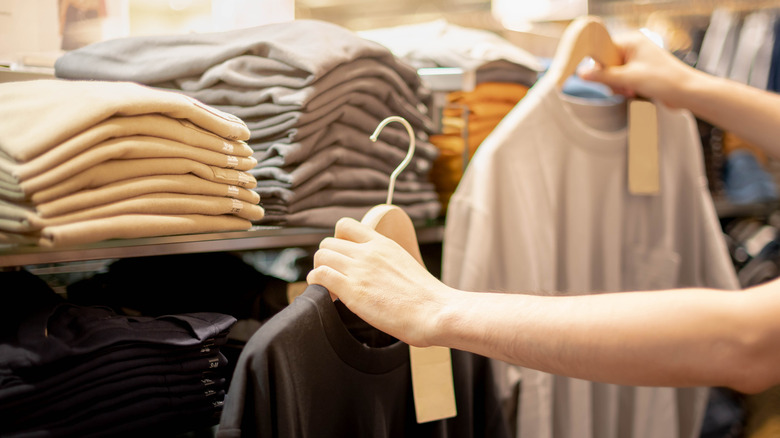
<point x="684" y="88"/>
<point x="443" y="318"/>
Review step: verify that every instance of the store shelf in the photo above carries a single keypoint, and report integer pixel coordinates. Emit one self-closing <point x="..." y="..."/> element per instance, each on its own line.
<point x="257" y="238"/>
<point x="726" y="209"/>
<point x="8" y="74"/>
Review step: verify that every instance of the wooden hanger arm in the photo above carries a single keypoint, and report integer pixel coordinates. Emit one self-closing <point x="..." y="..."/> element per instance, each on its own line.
<point x="391" y="221"/>
<point x="584" y="37"/>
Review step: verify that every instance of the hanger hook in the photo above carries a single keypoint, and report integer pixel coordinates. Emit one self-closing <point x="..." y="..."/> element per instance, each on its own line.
<point x="406" y="159"/>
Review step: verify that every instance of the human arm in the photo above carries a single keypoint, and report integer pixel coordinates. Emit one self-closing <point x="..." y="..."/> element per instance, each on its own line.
<point x="652" y="72"/>
<point x="685" y="337"/>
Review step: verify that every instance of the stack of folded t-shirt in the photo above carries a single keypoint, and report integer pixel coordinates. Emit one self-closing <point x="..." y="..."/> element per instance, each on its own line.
<point x="83" y="161"/>
<point x="502" y="73"/>
<point x="69" y="370"/>
<point x="311" y="94"/>
<point x="438" y="43"/>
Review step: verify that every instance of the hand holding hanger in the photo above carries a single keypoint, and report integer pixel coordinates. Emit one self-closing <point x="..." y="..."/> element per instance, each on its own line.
<point x="382" y="247"/>
<point x="645" y="69"/>
<point x="387" y="226"/>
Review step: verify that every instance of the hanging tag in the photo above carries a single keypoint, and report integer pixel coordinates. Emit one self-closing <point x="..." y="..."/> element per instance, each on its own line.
<point x="432" y="383"/>
<point x="643" y="167"/>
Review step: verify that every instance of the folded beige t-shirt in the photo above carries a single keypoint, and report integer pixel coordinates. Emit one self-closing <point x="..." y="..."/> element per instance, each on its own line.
<point x="114" y="192"/>
<point x="15" y="219"/>
<point x="126" y="227"/>
<point x="131" y="147"/>
<point x="118" y="170"/>
<point x="151" y="125"/>
<point x="38" y="115"/>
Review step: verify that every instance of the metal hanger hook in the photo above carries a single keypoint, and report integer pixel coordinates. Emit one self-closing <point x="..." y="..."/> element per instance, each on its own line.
<point x="409" y="153"/>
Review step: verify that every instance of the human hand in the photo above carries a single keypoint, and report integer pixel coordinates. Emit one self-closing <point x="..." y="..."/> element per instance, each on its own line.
<point x="648" y="71"/>
<point x="379" y="281"/>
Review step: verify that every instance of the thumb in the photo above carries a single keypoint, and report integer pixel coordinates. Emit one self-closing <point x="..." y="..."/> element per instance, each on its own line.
<point x="613" y="77"/>
<point x="352" y="230"/>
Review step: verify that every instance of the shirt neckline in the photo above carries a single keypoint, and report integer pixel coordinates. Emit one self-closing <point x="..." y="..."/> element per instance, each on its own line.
<point x="561" y="108"/>
<point x="358" y="355"/>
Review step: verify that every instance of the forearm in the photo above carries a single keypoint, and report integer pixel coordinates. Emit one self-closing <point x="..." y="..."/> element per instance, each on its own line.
<point x="748" y="112"/>
<point x="671" y="338"/>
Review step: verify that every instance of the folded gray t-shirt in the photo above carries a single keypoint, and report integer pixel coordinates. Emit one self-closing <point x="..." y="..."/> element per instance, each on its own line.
<point x="299" y="51"/>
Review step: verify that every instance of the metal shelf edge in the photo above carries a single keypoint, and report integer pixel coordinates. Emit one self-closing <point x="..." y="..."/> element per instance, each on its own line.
<point x="257" y="238"/>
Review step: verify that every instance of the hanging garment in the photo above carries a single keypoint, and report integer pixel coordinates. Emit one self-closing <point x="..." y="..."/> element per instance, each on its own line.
<point x="719" y="43"/>
<point x="773" y="80"/>
<point x="756" y="29"/>
<point x="762" y="64"/>
<point x="316" y="370"/>
<point x="544" y="208"/>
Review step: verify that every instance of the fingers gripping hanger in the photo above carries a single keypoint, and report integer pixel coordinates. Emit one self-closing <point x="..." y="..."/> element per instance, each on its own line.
<point x="432" y="382"/>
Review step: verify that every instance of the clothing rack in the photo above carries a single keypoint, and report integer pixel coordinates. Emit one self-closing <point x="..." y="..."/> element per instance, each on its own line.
<point x="675" y="7"/>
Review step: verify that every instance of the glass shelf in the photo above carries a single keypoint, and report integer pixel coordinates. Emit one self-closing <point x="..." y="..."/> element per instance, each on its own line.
<point x="256" y="238"/>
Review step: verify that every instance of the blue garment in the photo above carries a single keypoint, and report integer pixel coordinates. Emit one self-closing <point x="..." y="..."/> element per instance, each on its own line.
<point x="578" y="87"/>
<point x="745" y="180"/>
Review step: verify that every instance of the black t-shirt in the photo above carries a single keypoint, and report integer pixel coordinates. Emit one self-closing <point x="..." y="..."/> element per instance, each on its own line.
<point x="316" y="370"/>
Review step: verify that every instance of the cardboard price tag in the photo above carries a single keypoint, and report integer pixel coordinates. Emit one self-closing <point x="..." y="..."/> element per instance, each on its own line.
<point x="432" y="383"/>
<point x="643" y="165"/>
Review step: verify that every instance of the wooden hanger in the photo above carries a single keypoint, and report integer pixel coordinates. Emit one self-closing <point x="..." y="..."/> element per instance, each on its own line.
<point x="432" y="381"/>
<point x="388" y="219"/>
<point x="584" y="37"/>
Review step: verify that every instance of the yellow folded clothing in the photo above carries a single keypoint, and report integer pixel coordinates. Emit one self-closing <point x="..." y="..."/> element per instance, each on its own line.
<point x="478" y="110"/>
<point x="490" y="92"/>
